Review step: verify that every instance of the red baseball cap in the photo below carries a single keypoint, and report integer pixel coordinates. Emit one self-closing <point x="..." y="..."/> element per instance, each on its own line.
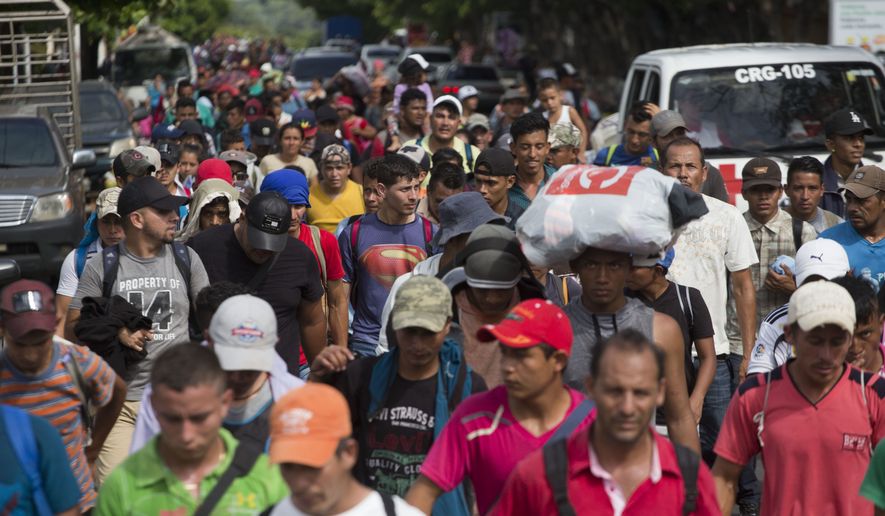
<point x="214" y="168"/>
<point x="532" y="322"/>
<point x="27" y="306"/>
<point x="345" y="102"/>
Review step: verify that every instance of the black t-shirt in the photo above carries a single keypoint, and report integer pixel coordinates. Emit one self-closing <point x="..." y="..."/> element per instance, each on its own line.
<point x="294" y="276"/>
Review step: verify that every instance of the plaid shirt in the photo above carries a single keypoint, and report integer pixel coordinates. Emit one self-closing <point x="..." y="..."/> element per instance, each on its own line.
<point x="517" y="195"/>
<point x="772" y="239"/>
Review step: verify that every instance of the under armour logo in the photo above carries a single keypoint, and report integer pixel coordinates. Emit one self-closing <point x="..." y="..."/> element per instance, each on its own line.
<point x="818" y="257"/>
<point x="854" y="117"/>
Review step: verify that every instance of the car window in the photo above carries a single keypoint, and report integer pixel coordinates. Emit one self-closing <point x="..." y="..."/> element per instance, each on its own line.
<point x="473" y="73"/>
<point x="26" y="142"/>
<point x="384" y="52"/>
<point x="100" y="106"/>
<point x="435" y="57"/>
<point x="307" y="68"/>
<point x="637" y="76"/>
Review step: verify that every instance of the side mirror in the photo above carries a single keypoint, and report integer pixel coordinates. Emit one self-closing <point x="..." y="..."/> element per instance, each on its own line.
<point x="9" y="271"/>
<point x="139" y="114"/>
<point x="83" y="158"/>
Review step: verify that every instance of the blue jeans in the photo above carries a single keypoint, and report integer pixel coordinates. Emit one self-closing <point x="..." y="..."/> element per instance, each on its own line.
<point x="362" y="347"/>
<point x="304" y="371"/>
<point x="725" y="382"/>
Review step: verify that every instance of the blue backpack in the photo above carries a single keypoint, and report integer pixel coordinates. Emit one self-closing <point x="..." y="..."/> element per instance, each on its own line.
<point x="21" y="437"/>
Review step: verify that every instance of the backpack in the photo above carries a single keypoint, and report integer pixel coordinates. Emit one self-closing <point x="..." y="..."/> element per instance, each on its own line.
<point x="80" y="260"/>
<point x="315" y="236"/>
<point x="556" y="469"/>
<point x="683" y="295"/>
<point x="797" y="234"/>
<point x="24" y="445"/>
<point x="110" y="257"/>
<point x="84" y="394"/>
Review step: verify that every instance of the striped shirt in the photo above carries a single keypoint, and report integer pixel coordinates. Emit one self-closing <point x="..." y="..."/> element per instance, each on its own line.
<point x="53" y="394"/>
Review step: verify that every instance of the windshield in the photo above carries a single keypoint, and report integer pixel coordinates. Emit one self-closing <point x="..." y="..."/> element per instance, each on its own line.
<point x="473" y="73"/>
<point x="777" y="106"/>
<point x="100" y="106"/>
<point x="435" y="57"/>
<point x="26" y="142"/>
<point x="388" y="53"/>
<point x="134" y="66"/>
<point x="319" y="67"/>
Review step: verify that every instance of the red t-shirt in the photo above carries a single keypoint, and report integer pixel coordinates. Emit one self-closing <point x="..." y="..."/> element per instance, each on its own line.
<point x="484" y="441"/>
<point x="815" y="455"/>
<point x="334" y="268"/>
<point x="528" y="492"/>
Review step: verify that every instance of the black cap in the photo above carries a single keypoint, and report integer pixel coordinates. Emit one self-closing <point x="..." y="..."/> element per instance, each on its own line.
<point x="498" y="162"/>
<point x="168" y="152"/>
<point x="132" y="163"/>
<point x="414" y="63"/>
<point x="262" y="132"/>
<point x="268" y="218"/>
<point x="147" y="191"/>
<point x="846" y="122"/>
<point x="191" y="127"/>
<point x="327" y="113"/>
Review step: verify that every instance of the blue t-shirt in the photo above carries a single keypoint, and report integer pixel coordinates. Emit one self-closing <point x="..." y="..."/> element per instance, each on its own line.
<point x="383" y="253"/>
<point x="621" y="157"/>
<point x="61" y="488"/>
<point x="866" y="259"/>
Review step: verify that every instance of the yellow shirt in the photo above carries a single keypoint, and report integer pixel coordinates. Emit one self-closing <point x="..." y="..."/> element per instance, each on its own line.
<point x="272" y="162"/>
<point x="327" y="212"/>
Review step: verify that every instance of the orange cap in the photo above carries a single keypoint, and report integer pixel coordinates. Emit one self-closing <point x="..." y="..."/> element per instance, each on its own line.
<point x="307" y="424"/>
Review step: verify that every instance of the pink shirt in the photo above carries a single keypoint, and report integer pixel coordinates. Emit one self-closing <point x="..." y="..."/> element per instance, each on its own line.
<point x="483" y="441"/>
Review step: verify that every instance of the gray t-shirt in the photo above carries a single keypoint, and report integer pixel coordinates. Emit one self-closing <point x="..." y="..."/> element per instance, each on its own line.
<point x="589" y="328"/>
<point x="155" y="286"/>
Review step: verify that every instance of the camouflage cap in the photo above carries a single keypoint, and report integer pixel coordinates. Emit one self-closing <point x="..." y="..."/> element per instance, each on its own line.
<point x="422" y="302"/>
<point x="564" y="135"/>
<point x="335" y="152"/>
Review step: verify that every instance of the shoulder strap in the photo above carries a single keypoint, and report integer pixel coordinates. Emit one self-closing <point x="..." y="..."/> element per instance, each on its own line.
<point x="110" y="258"/>
<point x="183" y="262"/>
<point x="468" y="153"/>
<point x="684" y="297"/>
<point x="354" y="256"/>
<point x="610" y="155"/>
<point x="573" y="420"/>
<point x="83" y="391"/>
<point x="456" y="397"/>
<point x="242" y="462"/>
<point x="657" y="156"/>
<point x="556" y="470"/>
<point x="797" y="232"/>
<point x="20" y="432"/>
<point x="689" y="462"/>
<point x="419" y="141"/>
<point x="316" y="237"/>
<point x="428" y="235"/>
<point x="80" y="260"/>
<point x="389" y="505"/>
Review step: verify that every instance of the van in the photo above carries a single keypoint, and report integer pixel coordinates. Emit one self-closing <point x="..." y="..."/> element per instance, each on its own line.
<point x="742" y="101"/>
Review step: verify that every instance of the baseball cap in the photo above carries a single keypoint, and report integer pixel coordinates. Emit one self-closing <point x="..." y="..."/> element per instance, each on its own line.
<point x="268" y="219"/>
<point x="478" y="120"/>
<point x="214" y="168"/>
<point x="166" y="132"/>
<point x="514" y="94"/>
<point x="495" y="162"/>
<point x="414" y="63"/>
<point x="237" y="157"/>
<point x="327" y="113"/>
<point x="466" y="92"/>
<point x="106" y="204"/>
<point x="666" y="121"/>
<point x="846" y="122"/>
<point x="462" y="213"/>
<point x="760" y="171"/>
<point x="344" y="102"/>
<point x="306" y="425"/>
<point x="335" y="152"/>
<point x="422" y="302"/>
<point x="307" y="121"/>
<point x="254" y="110"/>
<point x="417" y="154"/>
<point x="168" y="153"/>
<point x="531" y="322"/>
<point x="28" y="306"/>
<point x="146" y="192"/>
<point x="191" y="127"/>
<point x="667" y="259"/>
<point x="821" y="257"/>
<point x="132" y="162"/>
<point x="289" y="183"/>
<point x="564" y="135"/>
<point x="494" y="266"/>
<point x="448" y="99"/>
<point x="819" y="303"/>
<point x="866" y="181"/>
<point x="262" y="132"/>
<point x="244" y="334"/>
<point x="152" y="155"/>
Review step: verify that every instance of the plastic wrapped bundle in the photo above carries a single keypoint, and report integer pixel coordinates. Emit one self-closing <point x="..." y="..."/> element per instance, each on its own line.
<point x="634" y="210"/>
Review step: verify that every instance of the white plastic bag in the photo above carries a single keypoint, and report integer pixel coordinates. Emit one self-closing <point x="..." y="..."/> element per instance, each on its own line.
<point x="632" y="209"/>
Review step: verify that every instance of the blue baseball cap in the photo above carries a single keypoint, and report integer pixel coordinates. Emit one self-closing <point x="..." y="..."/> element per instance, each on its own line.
<point x="289" y="183"/>
<point x="667" y="260"/>
<point x="166" y="132"/>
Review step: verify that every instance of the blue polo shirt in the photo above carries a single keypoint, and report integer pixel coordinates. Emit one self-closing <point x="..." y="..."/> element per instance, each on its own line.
<point x="617" y="155"/>
<point x="865" y="258"/>
<point x="518" y="199"/>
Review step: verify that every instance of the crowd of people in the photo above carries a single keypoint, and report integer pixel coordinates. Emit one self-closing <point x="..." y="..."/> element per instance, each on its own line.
<point x="318" y="304"/>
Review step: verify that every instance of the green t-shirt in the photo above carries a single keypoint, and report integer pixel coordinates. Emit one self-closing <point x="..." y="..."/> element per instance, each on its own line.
<point x="143" y="485"/>
<point x="873" y="487"/>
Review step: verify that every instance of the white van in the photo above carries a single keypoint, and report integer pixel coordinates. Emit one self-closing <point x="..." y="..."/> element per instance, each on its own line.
<point x="747" y="100"/>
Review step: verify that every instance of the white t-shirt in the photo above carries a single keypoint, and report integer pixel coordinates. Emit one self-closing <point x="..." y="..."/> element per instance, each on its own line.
<point x="719" y="241"/>
<point x="371" y="505"/>
<point x="771" y="350"/>
<point x="67" y="278"/>
<point x="272" y="162"/>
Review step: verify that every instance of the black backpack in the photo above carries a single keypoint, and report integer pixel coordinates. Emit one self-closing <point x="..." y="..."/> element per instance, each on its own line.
<point x="556" y="470"/>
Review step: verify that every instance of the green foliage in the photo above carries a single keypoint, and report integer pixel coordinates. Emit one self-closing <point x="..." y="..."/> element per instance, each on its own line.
<point x="285" y="19"/>
<point x="194" y="20"/>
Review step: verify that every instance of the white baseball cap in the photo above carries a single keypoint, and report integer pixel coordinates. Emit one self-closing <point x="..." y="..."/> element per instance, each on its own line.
<point x="466" y="92"/>
<point x="243" y="332"/>
<point x="820" y="303"/>
<point x="448" y="99"/>
<point x="821" y="257"/>
<point x="152" y="155"/>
